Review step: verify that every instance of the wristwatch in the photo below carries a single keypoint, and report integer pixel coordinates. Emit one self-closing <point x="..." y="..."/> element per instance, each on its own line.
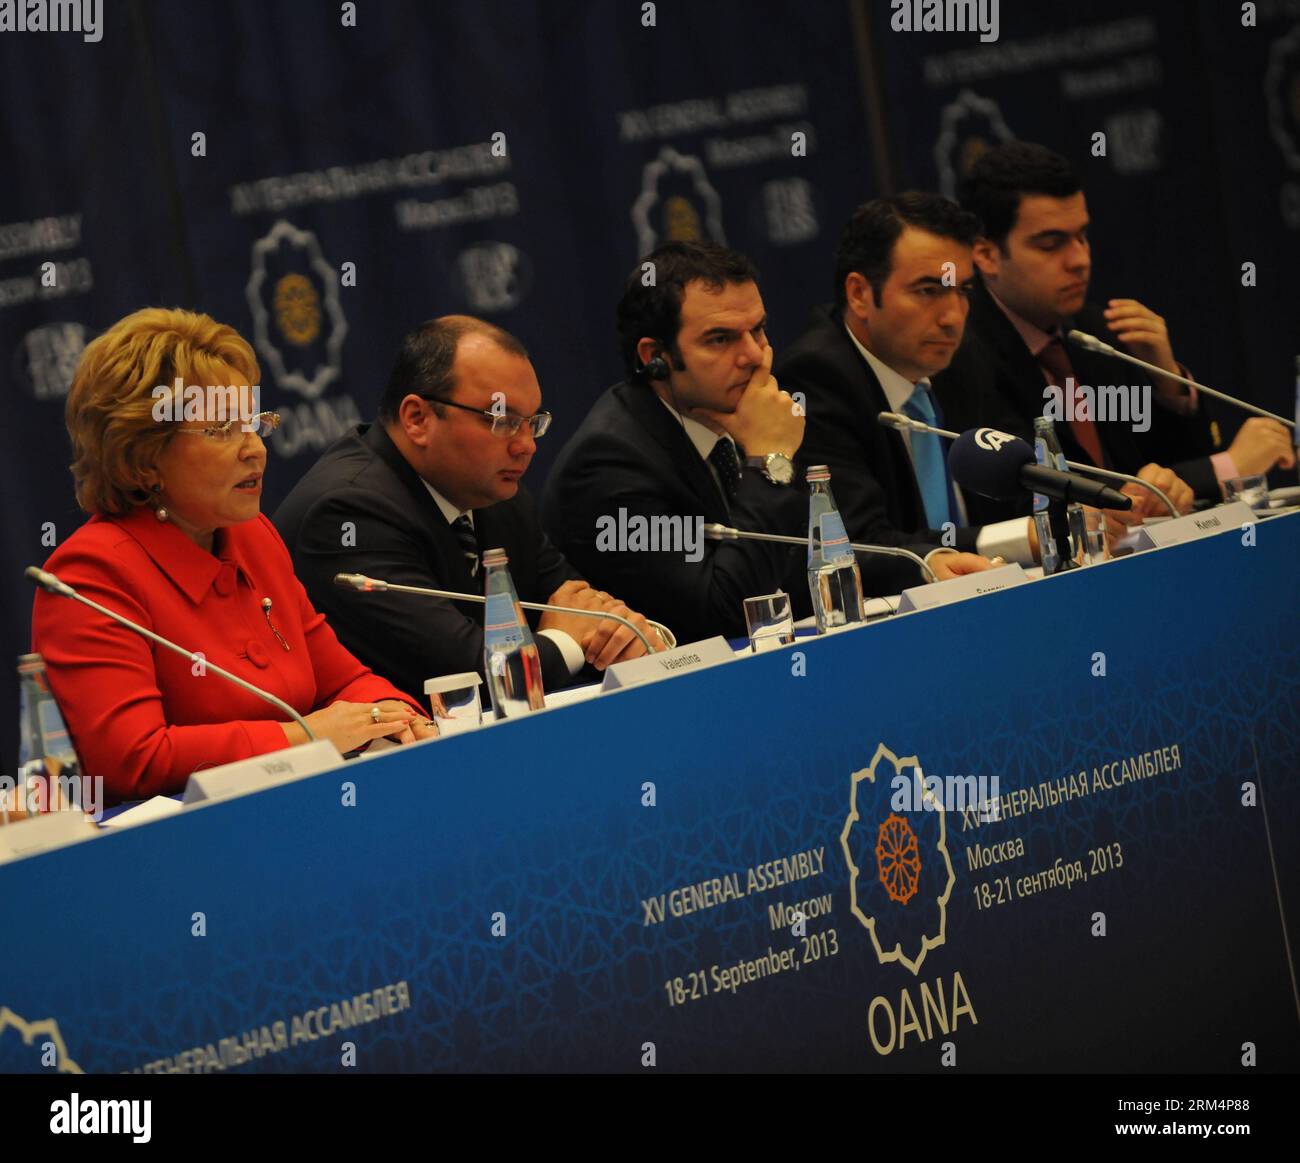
<point x="775" y="466"/>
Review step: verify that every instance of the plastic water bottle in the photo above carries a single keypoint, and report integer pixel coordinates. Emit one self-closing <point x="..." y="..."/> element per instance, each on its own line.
<point x="833" y="577"/>
<point x="510" y="659"/>
<point x="46" y="758"/>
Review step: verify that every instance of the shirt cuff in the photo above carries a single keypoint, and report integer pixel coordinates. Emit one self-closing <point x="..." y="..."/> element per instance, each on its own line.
<point x="1224" y="468"/>
<point x="1006" y="539"/>
<point x="570" y="651"/>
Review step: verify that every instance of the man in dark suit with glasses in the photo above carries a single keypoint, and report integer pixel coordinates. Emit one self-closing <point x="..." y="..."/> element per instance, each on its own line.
<point x="418" y="496"/>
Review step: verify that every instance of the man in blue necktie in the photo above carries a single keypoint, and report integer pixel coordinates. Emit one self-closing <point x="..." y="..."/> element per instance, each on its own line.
<point x="904" y="273"/>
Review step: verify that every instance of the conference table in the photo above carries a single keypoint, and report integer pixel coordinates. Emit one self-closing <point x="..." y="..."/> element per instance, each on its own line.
<point x="1050" y="828"/>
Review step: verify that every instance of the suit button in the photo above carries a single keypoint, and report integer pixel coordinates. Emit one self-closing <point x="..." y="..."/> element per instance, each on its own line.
<point x="256" y="653"/>
<point x="225" y="583"/>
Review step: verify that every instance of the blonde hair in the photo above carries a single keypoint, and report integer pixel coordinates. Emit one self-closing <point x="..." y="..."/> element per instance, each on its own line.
<point x="110" y="411"/>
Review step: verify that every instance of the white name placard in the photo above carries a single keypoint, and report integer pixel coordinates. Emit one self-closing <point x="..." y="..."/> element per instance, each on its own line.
<point x="678" y="660"/>
<point x="262" y="771"/>
<point x="969" y="585"/>
<point x="1224" y="519"/>
<point x="44" y="833"/>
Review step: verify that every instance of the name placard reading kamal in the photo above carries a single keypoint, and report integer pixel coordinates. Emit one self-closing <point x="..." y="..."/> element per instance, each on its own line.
<point x="1233" y="516"/>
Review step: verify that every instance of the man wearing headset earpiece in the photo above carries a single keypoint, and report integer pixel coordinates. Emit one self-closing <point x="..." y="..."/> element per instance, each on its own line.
<point x="700" y="432"/>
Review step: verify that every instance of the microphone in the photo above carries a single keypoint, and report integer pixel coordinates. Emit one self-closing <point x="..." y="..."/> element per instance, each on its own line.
<point x="51" y="584"/>
<point x="996" y="464"/>
<point x="901" y="422"/>
<point x="715" y="532"/>
<point x="1092" y="343"/>
<point x="365" y="585"/>
<point x="897" y="420"/>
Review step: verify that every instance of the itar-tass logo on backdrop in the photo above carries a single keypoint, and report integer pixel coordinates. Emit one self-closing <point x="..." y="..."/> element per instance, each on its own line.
<point x="47" y="357"/>
<point x="496" y="276"/>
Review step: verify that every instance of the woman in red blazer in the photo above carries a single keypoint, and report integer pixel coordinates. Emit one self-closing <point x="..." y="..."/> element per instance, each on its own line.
<point x="171" y="473"/>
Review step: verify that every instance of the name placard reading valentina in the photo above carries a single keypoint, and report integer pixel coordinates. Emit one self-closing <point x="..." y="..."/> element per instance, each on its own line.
<point x="970" y="585"/>
<point x="652" y="667"/>
<point x="1195" y="526"/>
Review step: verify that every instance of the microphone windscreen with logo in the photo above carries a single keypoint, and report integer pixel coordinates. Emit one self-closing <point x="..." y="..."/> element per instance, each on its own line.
<point x="988" y="462"/>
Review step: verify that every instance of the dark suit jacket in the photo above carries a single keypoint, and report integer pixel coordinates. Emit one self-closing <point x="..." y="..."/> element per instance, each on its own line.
<point x="994" y="381"/>
<point x="402" y="536"/>
<point x="871" y="473"/>
<point x="632" y="453"/>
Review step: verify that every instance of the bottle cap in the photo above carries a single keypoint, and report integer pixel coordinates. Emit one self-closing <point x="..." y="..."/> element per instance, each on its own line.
<point x="495" y="557"/>
<point x="818" y="472"/>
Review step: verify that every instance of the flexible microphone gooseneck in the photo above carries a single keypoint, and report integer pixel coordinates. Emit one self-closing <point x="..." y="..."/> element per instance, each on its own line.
<point x="1100" y="347"/>
<point x="51" y="584"/>
<point x="715" y="532"/>
<point x="363" y="584"/>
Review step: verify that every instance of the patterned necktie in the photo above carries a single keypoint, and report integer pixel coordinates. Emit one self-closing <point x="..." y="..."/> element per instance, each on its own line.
<point x="464" y="531"/>
<point x="1053" y="360"/>
<point x="928" y="459"/>
<point x="723" y="458"/>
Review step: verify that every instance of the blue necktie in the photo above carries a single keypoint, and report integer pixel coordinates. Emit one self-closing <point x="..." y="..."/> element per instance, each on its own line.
<point x="928" y="459"/>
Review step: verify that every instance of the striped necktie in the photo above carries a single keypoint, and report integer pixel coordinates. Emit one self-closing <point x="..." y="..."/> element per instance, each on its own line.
<point x="464" y="530"/>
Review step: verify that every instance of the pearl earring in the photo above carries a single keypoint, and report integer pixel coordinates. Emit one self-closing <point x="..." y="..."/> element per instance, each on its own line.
<point x="160" y="512"/>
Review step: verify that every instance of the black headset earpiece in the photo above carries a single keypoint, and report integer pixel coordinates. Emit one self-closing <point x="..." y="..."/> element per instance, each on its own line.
<point x="657" y="368"/>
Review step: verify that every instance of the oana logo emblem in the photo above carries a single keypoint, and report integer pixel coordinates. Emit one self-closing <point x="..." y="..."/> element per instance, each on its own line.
<point x="992" y="440"/>
<point x="298" y="324"/>
<point x="900" y="874"/>
<point x="968" y="126"/>
<point x="36" y="1042"/>
<point x="677" y="203"/>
